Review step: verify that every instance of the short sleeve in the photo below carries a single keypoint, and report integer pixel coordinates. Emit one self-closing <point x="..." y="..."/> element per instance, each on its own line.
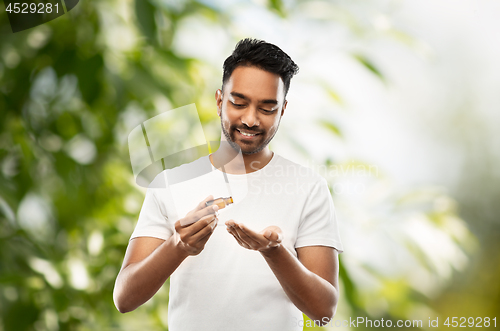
<point x="318" y="224"/>
<point x="153" y="221"/>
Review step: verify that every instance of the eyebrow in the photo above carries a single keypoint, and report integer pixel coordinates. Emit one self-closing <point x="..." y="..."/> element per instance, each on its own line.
<point x="244" y="97"/>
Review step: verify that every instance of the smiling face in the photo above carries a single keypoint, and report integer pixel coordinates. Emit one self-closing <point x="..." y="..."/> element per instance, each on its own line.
<point x="250" y="108"/>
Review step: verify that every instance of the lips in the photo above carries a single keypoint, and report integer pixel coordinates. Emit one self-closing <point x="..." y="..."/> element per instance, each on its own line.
<point x="247" y="134"/>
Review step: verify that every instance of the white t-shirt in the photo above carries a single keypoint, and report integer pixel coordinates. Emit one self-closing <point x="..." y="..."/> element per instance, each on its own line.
<point x="228" y="287"/>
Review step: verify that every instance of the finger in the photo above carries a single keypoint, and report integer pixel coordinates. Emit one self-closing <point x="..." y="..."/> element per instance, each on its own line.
<point x="195" y="216"/>
<point x="240" y="242"/>
<point x="249" y="231"/>
<point x="202" y="204"/>
<point x="230" y="223"/>
<point x="210" y="210"/>
<point x="197" y="226"/>
<point x="203" y="233"/>
<point x="253" y="244"/>
<point x="233" y="230"/>
<point x="191" y="217"/>
<point x="252" y="236"/>
<point x="250" y="241"/>
<point x="273" y="244"/>
<point x="203" y="239"/>
<point x="272" y="233"/>
<point x="204" y="222"/>
<point x="242" y="238"/>
<point x="273" y="236"/>
<point x="280" y="237"/>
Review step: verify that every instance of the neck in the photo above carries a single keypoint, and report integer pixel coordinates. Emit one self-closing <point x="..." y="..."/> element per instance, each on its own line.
<point x="257" y="161"/>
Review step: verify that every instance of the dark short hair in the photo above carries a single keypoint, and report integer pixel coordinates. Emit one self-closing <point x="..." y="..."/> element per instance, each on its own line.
<point x="263" y="55"/>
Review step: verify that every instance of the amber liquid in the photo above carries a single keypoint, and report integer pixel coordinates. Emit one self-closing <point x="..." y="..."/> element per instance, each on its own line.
<point x="221" y="202"/>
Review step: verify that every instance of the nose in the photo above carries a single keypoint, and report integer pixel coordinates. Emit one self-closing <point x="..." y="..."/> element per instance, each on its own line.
<point x="250" y="117"/>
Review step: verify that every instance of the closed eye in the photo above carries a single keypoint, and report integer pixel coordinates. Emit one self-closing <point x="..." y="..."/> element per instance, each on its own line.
<point x="268" y="110"/>
<point x="237" y="105"/>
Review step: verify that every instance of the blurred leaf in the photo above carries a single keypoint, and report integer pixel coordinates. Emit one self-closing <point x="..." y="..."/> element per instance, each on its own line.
<point x="369" y="65"/>
<point x="349" y="288"/>
<point x="20" y="315"/>
<point x="89" y="72"/>
<point x="145" y="13"/>
<point x="334" y="95"/>
<point x="277" y="6"/>
<point x="333" y="128"/>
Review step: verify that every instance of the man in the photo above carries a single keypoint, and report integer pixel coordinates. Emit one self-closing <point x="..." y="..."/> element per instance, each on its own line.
<point x="277" y="257"/>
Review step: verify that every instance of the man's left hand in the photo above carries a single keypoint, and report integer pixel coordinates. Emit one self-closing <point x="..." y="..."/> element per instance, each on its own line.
<point x="263" y="241"/>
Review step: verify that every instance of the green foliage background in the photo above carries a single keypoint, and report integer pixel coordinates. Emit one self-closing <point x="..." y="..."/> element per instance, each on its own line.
<point x="63" y="86"/>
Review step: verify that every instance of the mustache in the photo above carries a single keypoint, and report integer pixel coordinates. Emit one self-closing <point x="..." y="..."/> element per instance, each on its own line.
<point x="245" y="128"/>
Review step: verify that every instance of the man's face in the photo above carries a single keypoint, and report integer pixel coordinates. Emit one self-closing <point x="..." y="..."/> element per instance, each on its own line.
<point x="250" y="108"/>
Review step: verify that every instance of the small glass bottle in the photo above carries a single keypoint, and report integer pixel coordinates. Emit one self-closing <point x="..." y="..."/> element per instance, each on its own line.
<point x="221" y="202"/>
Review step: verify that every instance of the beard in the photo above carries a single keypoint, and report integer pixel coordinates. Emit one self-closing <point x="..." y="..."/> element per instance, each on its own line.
<point x="246" y="149"/>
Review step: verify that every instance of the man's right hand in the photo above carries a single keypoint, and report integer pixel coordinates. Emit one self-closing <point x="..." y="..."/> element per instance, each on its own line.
<point x="150" y="261"/>
<point x="193" y="231"/>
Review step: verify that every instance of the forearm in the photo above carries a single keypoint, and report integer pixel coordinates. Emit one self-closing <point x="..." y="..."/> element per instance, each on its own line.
<point x="313" y="295"/>
<point x="138" y="282"/>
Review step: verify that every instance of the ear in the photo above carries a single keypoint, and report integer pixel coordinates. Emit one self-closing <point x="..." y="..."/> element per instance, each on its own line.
<point x="283" y="108"/>
<point x="218" y="101"/>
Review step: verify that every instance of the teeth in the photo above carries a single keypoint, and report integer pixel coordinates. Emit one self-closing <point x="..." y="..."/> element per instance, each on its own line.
<point x="247" y="134"/>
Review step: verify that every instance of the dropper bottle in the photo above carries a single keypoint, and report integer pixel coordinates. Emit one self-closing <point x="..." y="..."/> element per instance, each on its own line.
<point x="221" y="202"/>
